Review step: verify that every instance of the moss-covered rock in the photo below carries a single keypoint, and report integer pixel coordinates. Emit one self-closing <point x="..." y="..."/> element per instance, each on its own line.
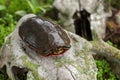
<point x="75" y="64"/>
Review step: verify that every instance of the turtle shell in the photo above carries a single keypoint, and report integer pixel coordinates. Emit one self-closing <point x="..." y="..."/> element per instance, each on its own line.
<point x="44" y="37"/>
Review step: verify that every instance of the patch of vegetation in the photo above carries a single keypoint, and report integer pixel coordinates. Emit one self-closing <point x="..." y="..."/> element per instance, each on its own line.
<point x="104" y="71"/>
<point x="114" y="3"/>
<point x="7" y="25"/>
<point x="3" y="77"/>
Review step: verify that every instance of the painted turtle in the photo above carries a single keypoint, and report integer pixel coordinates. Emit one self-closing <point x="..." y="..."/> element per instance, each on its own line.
<point x="44" y="37"/>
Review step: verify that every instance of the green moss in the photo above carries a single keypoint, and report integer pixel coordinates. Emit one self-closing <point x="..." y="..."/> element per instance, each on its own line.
<point x="62" y="61"/>
<point x="32" y="67"/>
<point x="79" y="53"/>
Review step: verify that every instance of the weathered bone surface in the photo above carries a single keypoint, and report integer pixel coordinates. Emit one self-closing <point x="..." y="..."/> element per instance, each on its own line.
<point x="75" y="64"/>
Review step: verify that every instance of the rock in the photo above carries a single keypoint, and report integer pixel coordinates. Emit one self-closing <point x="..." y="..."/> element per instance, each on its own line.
<point x="75" y="64"/>
<point x="96" y="8"/>
<point x="118" y="18"/>
<point x="67" y="9"/>
<point x="98" y="21"/>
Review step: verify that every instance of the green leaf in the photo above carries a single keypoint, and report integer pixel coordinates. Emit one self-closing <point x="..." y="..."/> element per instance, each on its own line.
<point x="2" y="21"/>
<point x="31" y="6"/>
<point x="110" y="43"/>
<point x="21" y="12"/>
<point x="2" y="7"/>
